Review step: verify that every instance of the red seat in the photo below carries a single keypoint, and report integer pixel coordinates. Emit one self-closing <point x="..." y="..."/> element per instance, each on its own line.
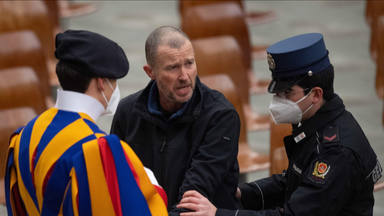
<point x="23" y="48"/>
<point x="278" y="156"/>
<point x="34" y="16"/>
<point x="252" y="16"/>
<point x="224" y="19"/>
<point x="20" y="87"/>
<point x="379" y="81"/>
<point x="249" y="160"/>
<point x="222" y="55"/>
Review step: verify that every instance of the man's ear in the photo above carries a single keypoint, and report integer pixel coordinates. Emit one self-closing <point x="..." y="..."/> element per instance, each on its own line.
<point x="100" y="83"/>
<point x="317" y="94"/>
<point x="149" y="71"/>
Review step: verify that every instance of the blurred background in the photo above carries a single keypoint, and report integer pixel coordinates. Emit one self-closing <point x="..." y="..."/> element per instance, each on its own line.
<point x="229" y="37"/>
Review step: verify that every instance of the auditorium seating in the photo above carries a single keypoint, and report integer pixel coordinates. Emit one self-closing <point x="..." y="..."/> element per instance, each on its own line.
<point x="23" y="48"/>
<point x="34" y="16"/>
<point x="222" y="55"/>
<point x="224" y="19"/>
<point x="253" y="17"/>
<point x="2" y="192"/>
<point x="248" y="159"/>
<point x="379" y="81"/>
<point x="67" y="8"/>
<point x="278" y="156"/>
<point x="374" y="9"/>
<point x="20" y="87"/>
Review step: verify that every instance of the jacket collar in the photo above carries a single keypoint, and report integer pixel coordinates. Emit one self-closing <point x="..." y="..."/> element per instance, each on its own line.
<point x="326" y="114"/>
<point x="154" y="107"/>
<point x="191" y="110"/>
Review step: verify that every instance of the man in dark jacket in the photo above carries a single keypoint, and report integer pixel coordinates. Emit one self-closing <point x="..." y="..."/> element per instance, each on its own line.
<point x="332" y="167"/>
<point x="182" y="130"/>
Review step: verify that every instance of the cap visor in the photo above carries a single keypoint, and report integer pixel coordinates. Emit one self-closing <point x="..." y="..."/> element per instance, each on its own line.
<point x="276" y="86"/>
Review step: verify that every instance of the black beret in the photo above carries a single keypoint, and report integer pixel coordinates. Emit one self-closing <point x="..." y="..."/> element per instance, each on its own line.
<point x="92" y="54"/>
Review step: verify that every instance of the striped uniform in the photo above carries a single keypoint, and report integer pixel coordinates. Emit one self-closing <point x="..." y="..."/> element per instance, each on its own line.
<point x="61" y="163"/>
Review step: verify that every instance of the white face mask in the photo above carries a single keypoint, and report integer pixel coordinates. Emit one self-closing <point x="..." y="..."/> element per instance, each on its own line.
<point x="286" y="111"/>
<point x="114" y="100"/>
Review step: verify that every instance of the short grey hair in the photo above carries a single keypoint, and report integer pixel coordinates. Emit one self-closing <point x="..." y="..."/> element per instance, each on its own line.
<point x="163" y="35"/>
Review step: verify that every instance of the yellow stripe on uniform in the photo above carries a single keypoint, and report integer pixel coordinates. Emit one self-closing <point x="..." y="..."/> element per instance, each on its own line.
<point x="24" y="194"/>
<point x="59" y="144"/>
<point x="154" y="200"/>
<point x="100" y="200"/>
<point x="11" y="184"/>
<point x="74" y="191"/>
<point x="37" y="132"/>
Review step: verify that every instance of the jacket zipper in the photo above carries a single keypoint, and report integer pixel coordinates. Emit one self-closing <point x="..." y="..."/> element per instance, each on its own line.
<point x="163" y="145"/>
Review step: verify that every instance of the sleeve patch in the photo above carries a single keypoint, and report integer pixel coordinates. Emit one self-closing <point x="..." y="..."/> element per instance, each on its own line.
<point x="330" y="134"/>
<point x="320" y="171"/>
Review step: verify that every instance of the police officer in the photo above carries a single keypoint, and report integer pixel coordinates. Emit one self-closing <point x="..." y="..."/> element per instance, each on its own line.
<point x="332" y="167"/>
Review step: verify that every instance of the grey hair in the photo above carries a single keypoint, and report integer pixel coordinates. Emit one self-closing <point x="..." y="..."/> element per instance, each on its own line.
<point x="163" y="35"/>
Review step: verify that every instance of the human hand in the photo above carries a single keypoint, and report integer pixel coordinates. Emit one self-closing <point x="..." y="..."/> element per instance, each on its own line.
<point x="196" y="202"/>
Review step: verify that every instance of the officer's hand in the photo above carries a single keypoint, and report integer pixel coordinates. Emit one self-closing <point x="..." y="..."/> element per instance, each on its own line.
<point x="238" y="193"/>
<point x="196" y="202"/>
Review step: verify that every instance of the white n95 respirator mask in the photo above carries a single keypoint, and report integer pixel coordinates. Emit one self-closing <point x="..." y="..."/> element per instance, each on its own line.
<point x="283" y="110"/>
<point x="113" y="101"/>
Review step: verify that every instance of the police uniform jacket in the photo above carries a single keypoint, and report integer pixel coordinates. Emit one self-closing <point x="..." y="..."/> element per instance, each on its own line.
<point x="196" y="150"/>
<point x="332" y="170"/>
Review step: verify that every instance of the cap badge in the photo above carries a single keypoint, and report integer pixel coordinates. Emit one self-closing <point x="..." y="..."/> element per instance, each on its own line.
<point x="321" y="169"/>
<point x="271" y="62"/>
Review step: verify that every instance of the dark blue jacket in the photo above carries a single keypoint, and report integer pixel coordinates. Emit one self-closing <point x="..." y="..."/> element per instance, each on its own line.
<point x="197" y="150"/>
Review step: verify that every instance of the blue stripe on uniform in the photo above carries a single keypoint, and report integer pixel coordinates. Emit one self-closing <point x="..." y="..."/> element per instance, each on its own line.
<point x="131" y="198"/>
<point x="59" y="179"/>
<point x="60" y="121"/>
<point x="93" y="127"/>
<point x="82" y="180"/>
<point x="7" y="182"/>
<point x="67" y="205"/>
<point x="25" y="172"/>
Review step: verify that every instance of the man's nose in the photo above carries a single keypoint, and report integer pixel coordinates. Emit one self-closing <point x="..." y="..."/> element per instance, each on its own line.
<point x="183" y="74"/>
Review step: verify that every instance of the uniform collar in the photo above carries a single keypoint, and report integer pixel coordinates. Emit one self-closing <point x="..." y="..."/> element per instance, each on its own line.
<point x="79" y="102"/>
<point x="327" y="113"/>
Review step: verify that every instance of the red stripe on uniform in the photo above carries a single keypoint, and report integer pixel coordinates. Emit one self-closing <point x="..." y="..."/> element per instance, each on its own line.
<point x="162" y="193"/>
<point x="110" y="174"/>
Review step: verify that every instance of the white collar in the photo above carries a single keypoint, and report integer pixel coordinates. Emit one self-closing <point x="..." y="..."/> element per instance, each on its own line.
<point x="79" y="102"/>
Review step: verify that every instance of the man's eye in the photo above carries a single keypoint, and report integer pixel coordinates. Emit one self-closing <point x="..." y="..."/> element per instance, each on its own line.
<point x="171" y="67"/>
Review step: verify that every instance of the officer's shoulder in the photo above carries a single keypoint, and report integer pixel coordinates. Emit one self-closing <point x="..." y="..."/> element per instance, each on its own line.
<point x="330" y="134"/>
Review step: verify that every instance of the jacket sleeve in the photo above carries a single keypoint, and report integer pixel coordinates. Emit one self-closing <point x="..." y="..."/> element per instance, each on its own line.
<point x="327" y="185"/>
<point x="215" y="157"/>
<point x="270" y="212"/>
<point x="265" y="193"/>
<point x="14" y="202"/>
